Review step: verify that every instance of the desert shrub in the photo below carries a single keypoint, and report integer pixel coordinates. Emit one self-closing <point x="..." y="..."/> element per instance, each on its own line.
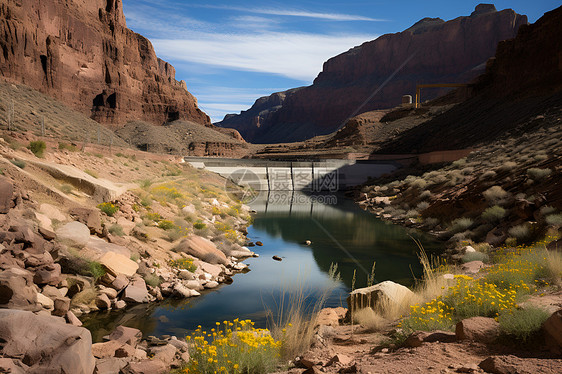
<point x="37" y="147"/>
<point x="475" y="256"/>
<point x="19" y="163"/>
<point x="98" y="155"/>
<point x="537" y="174"/>
<point x="146" y="200"/>
<point x="145" y="183"/>
<point x="425" y="195"/>
<point x="108" y="208"/>
<point x="183" y="263"/>
<point x="199" y="225"/>
<point x="459" y="163"/>
<point x="135" y="257"/>
<point x="419" y="183"/>
<point x="467" y="170"/>
<point x="507" y="166"/>
<point x="233" y="347"/>
<point x="455" y="177"/>
<point x="546" y="210"/>
<point x="488" y="174"/>
<point x="541" y="157"/>
<point x="66" y="188"/>
<point x="166" y="224"/>
<point x="493" y="214"/>
<point x="96" y="270"/>
<point x="67" y="147"/>
<point x="461" y="224"/>
<point x="152" y="216"/>
<point x="496" y="195"/>
<point x="91" y="173"/>
<point x="554" y="220"/>
<point x="522" y="323"/>
<point x="422" y="205"/>
<point x="152" y="280"/>
<point x="431" y="222"/>
<point x="520" y="232"/>
<point x="116" y="229"/>
<point x="176" y="233"/>
<point x="412" y="213"/>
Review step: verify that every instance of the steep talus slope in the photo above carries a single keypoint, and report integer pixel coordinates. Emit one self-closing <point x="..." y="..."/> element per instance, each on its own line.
<point x="523" y="81"/>
<point x="82" y="53"/>
<point x="433" y="51"/>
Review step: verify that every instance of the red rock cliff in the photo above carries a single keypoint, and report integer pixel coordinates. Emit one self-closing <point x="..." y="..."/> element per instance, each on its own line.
<point x="82" y="53"/>
<point x="436" y="51"/>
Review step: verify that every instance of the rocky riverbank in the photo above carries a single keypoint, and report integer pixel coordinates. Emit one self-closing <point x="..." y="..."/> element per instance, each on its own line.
<point x="82" y="232"/>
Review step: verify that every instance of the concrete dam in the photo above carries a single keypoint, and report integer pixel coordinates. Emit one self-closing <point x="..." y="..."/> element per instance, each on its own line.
<point x="328" y="175"/>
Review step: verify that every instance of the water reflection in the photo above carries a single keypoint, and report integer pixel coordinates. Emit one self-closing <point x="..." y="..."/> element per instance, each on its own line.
<point x="340" y="233"/>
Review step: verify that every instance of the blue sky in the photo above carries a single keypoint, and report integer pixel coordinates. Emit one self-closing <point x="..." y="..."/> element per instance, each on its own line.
<point x="232" y="52"/>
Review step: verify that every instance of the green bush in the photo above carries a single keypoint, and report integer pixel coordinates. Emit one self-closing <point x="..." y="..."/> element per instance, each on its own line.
<point x="554" y="220"/>
<point x="108" y="208"/>
<point x="68" y="147"/>
<point x="152" y="280"/>
<point x="37" y="147"/>
<point x="116" y="229"/>
<point x="495" y="195"/>
<point x="520" y="232"/>
<point x="91" y="173"/>
<point x="522" y="323"/>
<point x="199" y="225"/>
<point x="461" y="224"/>
<point x="166" y="224"/>
<point x="493" y="214"/>
<point x="19" y="163"/>
<point x="96" y="269"/>
<point x="66" y="188"/>
<point x="538" y="174"/>
<point x="183" y="263"/>
<point x="475" y="256"/>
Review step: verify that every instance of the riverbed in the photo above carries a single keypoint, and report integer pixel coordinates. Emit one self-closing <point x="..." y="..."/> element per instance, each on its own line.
<point x="339" y="232"/>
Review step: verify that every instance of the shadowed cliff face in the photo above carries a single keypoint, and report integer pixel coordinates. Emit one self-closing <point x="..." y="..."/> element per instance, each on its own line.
<point x="433" y="51"/>
<point x="521" y="84"/>
<point x="82" y="53"/>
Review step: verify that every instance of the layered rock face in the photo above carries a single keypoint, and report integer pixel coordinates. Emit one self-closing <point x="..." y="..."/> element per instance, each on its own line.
<point x="82" y="53"/>
<point x="431" y="51"/>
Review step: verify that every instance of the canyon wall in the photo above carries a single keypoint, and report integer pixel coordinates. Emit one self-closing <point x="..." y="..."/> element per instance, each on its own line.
<point x="432" y="51"/>
<point x="82" y="53"/>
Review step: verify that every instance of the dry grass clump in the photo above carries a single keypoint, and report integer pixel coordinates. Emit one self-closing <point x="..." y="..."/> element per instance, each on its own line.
<point x="496" y="195"/>
<point x="493" y="214"/>
<point x="537" y="174"/>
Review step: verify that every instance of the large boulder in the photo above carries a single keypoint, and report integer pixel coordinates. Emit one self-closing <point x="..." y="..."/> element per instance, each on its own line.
<point x="118" y="264"/>
<point x="480" y="329"/>
<point x="203" y="249"/>
<point x="553" y="332"/>
<point x="47" y="344"/>
<point x="48" y="274"/>
<point x="126" y="335"/>
<point x="6" y="195"/>
<point x="89" y="217"/>
<point x="375" y="297"/>
<point x="17" y="290"/>
<point x="74" y="234"/>
<point x="136" y="292"/>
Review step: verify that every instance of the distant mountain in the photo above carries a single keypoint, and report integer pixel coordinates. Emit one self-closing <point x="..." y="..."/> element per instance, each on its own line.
<point x="432" y="51"/>
<point x="82" y="53"/>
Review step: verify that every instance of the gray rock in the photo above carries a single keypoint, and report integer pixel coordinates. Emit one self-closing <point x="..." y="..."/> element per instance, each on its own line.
<point x="74" y="234"/>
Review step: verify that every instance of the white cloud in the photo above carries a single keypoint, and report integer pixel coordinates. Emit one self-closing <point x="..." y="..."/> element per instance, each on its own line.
<point x="294" y="55"/>
<point x="296" y="13"/>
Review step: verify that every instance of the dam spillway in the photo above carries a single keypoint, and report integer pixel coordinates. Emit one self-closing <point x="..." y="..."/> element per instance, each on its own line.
<point x="314" y="175"/>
